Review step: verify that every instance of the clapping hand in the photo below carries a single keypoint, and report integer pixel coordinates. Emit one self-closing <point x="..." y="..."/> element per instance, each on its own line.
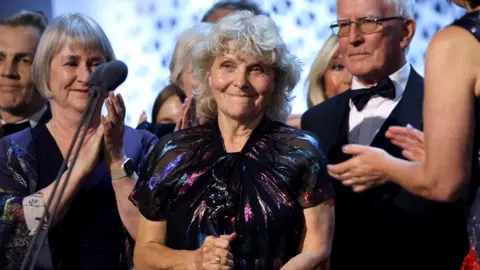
<point x="364" y="170"/>
<point x="114" y="127"/>
<point x="142" y="118"/>
<point x="185" y="121"/>
<point x="410" y="139"/>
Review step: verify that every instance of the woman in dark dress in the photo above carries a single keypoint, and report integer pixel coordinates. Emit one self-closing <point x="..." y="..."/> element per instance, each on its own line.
<point x="244" y="191"/>
<point x="95" y="217"/>
<point x="448" y="168"/>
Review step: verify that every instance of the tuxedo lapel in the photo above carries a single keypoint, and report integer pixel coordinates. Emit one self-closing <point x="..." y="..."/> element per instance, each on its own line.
<point x="340" y="132"/>
<point x="340" y="120"/>
<point x="407" y="111"/>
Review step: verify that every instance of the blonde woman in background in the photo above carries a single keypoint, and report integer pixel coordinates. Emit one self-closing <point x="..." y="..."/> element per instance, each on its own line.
<point x="328" y="77"/>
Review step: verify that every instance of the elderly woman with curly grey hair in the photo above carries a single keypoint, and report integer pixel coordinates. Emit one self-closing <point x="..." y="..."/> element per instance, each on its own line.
<point x="244" y="191"/>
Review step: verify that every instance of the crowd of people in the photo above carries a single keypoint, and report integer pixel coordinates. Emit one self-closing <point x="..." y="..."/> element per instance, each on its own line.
<point x="381" y="172"/>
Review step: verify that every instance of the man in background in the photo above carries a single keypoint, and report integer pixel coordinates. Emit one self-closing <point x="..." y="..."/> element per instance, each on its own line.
<point x="21" y="105"/>
<point x="380" y="225"/>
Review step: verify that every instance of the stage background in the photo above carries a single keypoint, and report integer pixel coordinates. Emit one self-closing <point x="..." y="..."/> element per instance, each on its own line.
<point x="143" y="34"/>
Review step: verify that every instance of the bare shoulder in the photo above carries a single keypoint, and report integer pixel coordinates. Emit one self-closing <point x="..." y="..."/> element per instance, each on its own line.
<point x="455" y="43"/>
<point x="453" y="36"/>
<point x="454" y="53"/>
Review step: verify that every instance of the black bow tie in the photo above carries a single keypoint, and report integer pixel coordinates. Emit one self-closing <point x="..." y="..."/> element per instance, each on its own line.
<point x="8" y="129"/>
<point x="384" y="88"/>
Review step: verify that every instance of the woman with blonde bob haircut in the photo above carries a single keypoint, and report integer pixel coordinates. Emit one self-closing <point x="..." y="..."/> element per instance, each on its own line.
<point x="328" y="75"/>
<point x="95" y="217"/>
<point x="244" y="191"/>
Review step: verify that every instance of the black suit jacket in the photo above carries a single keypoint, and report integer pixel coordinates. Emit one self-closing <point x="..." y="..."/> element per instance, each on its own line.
<point x="47" y="115"/>
<point x="386" y="227"/>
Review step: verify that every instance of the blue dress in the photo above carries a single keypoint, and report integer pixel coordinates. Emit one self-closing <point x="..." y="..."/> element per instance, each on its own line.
<point x="91" y="236"/>
<point x="199" y="189"/>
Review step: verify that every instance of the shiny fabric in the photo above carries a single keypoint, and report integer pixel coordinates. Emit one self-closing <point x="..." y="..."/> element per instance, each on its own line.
<point x="471" y="262"/>
<point x="471" y="23"/>
<point x="91" y="235"/>
<point x="259" y="192"/>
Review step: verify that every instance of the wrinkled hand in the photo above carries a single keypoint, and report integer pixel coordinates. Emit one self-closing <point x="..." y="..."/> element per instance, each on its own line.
<point x="114" y="127"/>
<point x="410" y="139"/>
<point x="364" y="170"/>
<point x="142" y="118"/>
<point x="294" y="120"/>
<point x="185" y="121"/>
<point x="206" y="255"/>
<point x="89" y="154"/>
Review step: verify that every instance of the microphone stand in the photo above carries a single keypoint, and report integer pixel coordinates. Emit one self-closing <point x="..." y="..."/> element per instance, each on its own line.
<point x="94" y="97"/>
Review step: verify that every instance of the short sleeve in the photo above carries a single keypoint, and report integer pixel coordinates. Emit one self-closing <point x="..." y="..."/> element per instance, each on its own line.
<point x="315" y="186"/>
<point x="158" y="175"/>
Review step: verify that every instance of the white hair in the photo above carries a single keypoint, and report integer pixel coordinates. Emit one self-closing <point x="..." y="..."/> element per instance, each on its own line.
<point x="245" y="32"/>
<point x="403" y="8"/>
<point x="182" y="54"/>
<point x="71" y="29"/>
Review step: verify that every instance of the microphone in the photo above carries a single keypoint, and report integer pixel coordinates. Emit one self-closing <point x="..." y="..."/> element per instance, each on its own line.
<point x="95" y="78"/>
<point x="108" y="76"/>
<point x="114" y="74"/>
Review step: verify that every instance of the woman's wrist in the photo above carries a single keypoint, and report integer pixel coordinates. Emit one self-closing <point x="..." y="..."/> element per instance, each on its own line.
<point x="385" y="166"/>
<point x="117" y="159"/>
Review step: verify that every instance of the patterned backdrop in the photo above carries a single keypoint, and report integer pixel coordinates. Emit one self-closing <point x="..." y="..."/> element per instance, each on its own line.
<point x="143" y="34"/>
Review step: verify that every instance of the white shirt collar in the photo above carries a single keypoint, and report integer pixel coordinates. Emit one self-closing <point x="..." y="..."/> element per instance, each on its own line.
<point x="399" y="79"/>
<point x="34" y="118"/>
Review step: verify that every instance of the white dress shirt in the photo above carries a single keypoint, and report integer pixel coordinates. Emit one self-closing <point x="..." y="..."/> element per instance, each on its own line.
<point x="33" y="119"/>
<point x="364" y="124"/>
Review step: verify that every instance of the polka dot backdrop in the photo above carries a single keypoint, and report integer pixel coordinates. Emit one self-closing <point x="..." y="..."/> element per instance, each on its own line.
<point x="143" y="34"/>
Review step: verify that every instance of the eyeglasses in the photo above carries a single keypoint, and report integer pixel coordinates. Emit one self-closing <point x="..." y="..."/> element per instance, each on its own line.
<point x="341" y="28"/>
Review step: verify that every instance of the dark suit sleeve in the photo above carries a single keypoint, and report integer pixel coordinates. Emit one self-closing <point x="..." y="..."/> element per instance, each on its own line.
<point x="306" y="120"/>
<point x="314" y="122"/>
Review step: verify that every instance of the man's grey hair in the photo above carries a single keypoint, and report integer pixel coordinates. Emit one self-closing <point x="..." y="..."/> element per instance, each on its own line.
<point x="403" y="8"/>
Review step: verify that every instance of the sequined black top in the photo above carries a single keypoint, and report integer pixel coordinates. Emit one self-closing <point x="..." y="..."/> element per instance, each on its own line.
<point x="471" y="23"/>
<point x="259" y="192"/>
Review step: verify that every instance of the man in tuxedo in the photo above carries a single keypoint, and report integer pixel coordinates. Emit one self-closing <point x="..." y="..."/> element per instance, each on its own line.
<point x="381" y="226"/>
<point x="21" y="105"/>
